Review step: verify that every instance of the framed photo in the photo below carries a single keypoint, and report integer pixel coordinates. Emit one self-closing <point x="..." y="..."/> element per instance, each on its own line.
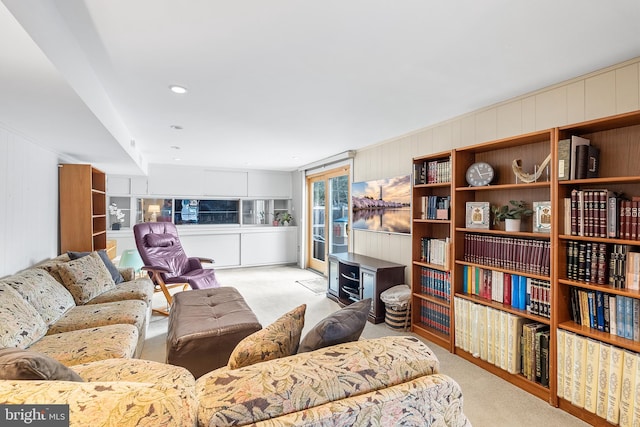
<point x="542" y="217"/>
<point x="477" y="215"/>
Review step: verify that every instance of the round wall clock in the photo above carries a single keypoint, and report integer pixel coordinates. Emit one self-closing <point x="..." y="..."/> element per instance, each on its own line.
<point x="479" y="174"/>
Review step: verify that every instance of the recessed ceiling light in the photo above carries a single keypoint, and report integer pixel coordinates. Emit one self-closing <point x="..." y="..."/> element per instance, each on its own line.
<point x="174" y="147"/>
<point x="177" y="159"/>
<point x="178" y="89"/>
<point x="176" y="127"/>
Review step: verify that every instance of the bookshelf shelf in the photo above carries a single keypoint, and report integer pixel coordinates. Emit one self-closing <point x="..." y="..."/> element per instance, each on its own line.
<point x="540" y="236"/>
<point x="431" y="266"/>
<point x="521" y="186"/>
<point x="430" y="334"/>
<point x="600" y="336"/>
<point x="432" y="299"/>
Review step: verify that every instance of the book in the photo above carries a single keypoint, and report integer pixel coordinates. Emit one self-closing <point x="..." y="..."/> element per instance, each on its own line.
<point x="602" y="403"/>
<point x="544" y="358"/>
<point x="568" y="365"/>
<point x="576" y="141"/>
<point x="615" y="384"/>
<point x="592" y="162"/>
<point x="627" y="388"/>
<point x="560" y="363"/>
<point x="579" y="370"/>
<point x="581" y="161"/>
<point x="635" y="419"/>
<point x="564" y="159"/>
<point x="591" y="375"/>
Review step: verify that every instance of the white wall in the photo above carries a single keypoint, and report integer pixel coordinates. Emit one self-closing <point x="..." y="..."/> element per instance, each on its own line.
<point x="614" y="90"/>
<point x="29" y="203"/>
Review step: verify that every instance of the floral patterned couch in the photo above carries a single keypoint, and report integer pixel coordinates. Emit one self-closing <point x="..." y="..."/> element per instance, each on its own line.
<point x="386" y="381"/>
<point x="115" y="392"/>
<point x="70" y="311"/>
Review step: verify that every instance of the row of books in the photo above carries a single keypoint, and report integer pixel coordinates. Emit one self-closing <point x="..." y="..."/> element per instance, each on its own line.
<point x="616" y="314"/>
<point x="511" y="253"/>
<point x="577" y="159"/>
<point x="436" y="207"/>
<point x="617" y="265"/>
<point x="517" y="291"/>
<point x="435" y="283"/>
<point x="508" y="341"/>
<point x="599" y="377"/>
<point x="602" y="213"/>
<point x="435" y="316"/>
<point x="435" y="251"/>
<point x="432" y="172"/>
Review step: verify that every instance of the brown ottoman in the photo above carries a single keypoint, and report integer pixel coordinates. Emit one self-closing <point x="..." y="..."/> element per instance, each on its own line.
<point x="205" y="325"/>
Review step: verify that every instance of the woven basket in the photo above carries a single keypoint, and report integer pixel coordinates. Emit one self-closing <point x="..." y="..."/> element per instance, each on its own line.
<point x="396" y="319"/>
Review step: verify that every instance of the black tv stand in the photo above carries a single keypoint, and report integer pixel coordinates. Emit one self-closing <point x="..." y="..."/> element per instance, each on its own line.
<point x="353" y="277"/>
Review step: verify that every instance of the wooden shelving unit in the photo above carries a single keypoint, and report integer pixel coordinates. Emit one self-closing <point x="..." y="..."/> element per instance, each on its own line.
<point x="82" y="210"/>
<point x="618" y="141"/>
<point x="431" y="314"/>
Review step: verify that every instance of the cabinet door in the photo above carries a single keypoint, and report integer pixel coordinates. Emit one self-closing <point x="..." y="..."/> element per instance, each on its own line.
<point x="333" y="277"/>
<point x="368" y="287"/>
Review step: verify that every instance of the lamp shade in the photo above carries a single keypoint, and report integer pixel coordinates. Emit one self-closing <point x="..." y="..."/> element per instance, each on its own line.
<point x="130" y="258"/>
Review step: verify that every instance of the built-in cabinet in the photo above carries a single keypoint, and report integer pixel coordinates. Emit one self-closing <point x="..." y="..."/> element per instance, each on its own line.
<point x="82" y="208"/>
<point x="354" y="277"/>
<point x="508" y="287"/>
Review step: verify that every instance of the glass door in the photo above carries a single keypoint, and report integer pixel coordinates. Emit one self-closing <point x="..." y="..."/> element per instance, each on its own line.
<point x="328" y="216"/>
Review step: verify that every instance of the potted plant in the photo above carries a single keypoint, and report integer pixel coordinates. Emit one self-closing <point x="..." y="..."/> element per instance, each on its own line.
<point x="284" y="218"/>
<point x="511" y="214"/>
<point x="117" y="216"/>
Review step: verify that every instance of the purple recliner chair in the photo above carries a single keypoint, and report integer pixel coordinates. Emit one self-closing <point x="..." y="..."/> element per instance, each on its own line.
<point x="165" y="260"/>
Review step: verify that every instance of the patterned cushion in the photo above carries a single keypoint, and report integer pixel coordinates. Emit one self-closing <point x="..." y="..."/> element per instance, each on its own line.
<point x="89" y="345"/>
<point x="138" y="289"/>
<point x="47" y="296"/>
<point x="20" y="323"/>
<point x="342" y="326"/>
<point x="279" y="339"/>
<point x="113" y="270"/>
<point x="131" y="312"/>
<point x="18" y="364"/>
<point x="86" y="277"/>
<point x="271" y="389"/>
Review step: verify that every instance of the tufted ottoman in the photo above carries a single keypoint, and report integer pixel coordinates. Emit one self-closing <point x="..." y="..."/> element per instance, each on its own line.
<point x="205" y="325"/>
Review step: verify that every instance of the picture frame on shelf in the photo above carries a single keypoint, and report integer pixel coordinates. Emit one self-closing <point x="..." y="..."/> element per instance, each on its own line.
<point x="477" y="215"/>
<point x="542" y="218"/>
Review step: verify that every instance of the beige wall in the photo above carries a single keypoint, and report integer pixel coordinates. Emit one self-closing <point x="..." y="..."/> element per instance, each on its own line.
<point x="613" y="90"/>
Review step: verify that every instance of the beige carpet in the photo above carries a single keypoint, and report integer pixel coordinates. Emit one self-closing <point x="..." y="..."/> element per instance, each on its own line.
<point x="272" y="291"/>
<point x="317" y="285"/>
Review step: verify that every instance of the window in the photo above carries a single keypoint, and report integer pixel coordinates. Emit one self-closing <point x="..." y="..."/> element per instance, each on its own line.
<point x="194" y="211"/>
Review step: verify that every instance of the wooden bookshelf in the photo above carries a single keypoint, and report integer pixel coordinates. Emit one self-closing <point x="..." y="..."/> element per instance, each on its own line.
<point x="431" y="315"/>
<point x="82" y="210"/>
<point x="618" y="141"/>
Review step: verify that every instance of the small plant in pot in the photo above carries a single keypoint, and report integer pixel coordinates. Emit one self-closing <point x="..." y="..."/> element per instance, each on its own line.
<point x="285" y="218"/>
<point x="511" y="214"/>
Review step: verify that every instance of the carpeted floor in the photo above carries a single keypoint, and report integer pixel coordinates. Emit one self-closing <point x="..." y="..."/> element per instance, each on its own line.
<point x="489" y="401"/>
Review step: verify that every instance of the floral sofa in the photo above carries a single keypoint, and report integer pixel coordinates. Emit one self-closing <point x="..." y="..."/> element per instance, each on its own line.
<point x="71" y="311"/>
<point x="386" y="381"/>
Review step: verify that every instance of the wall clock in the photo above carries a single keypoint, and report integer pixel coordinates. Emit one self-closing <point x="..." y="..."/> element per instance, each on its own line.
<point x="479" y="174"/>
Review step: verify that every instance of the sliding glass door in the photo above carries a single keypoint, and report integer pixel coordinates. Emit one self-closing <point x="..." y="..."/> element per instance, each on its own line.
<point x="328" y="216"/>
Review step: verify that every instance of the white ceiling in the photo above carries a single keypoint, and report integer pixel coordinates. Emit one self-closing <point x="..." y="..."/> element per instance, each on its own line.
<point x="281" y="83"/>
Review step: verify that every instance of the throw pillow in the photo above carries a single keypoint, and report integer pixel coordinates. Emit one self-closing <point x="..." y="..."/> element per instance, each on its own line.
<point x="343" y="326"/>
<point x="113" y="270"/>
<point x="18" y="364"/>
<point x="86" y="277"/>
<point x="280" y="339"/>
<point x="160" y="240"/>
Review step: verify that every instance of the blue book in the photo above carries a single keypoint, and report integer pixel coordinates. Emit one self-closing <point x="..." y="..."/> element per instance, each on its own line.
<point x="600" y="310"/>
<point x="592" y="309"/>
<point x="628" y="318"/>
<point x="522" y="288"/>
<point x="515" y="282"/>
<point x="620" y="306"/>
<point x="465" y="283"/>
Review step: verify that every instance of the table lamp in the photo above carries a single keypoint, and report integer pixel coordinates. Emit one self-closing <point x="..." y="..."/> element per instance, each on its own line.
<point x="154" y="210"/>
<point x="130" y="258"/>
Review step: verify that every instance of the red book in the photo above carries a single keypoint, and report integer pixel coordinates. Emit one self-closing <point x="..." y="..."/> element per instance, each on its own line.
<point x="506" y="289"/>
<point x="574" y="212"/>
<point x="627" y="219"/>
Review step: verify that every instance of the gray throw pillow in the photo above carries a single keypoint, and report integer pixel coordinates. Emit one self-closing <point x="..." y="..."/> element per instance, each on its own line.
<point x="113" y="270"/>
<point x="18" y="364"/>
<point x="343" y="326"/>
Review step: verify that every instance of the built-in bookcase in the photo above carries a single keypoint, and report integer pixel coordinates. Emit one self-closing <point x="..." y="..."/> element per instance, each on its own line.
<point x="577" y="268"/>
<point x="431" y="254"/>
